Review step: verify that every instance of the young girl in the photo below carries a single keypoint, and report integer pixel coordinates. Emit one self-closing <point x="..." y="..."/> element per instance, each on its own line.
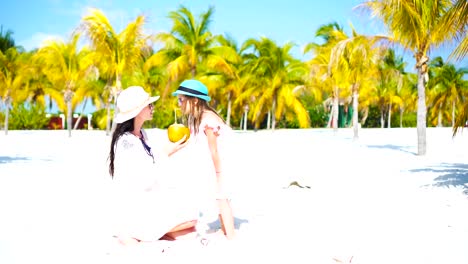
<point x="211" y="136"/>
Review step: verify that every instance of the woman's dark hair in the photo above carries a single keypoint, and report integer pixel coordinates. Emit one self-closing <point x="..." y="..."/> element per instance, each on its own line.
<point x="120" y="129"/>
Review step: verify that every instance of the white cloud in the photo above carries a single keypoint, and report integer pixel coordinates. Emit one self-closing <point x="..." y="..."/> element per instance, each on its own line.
<point x="38" y="39"/>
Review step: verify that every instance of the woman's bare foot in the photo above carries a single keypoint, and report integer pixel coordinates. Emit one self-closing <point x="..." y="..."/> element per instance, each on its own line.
<point x="127" y="241"/>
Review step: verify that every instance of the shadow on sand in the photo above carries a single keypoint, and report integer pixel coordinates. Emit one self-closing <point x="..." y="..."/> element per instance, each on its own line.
<point x="237" y="223"/>
<point x="6" y="159"/>
<point x="450" y="175"/>
<point x="393" y="147"/>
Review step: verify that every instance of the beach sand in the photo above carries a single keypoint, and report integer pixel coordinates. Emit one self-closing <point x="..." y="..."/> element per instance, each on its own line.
<point x="371" y="200"/>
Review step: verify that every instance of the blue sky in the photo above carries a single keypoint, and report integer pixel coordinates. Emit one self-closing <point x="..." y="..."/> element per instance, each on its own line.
<point x="294" y="20"/>
<point x="33" y="21"/>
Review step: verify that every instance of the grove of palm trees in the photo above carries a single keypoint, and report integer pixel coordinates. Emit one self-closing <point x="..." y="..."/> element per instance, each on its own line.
<point x="351" y="80"/>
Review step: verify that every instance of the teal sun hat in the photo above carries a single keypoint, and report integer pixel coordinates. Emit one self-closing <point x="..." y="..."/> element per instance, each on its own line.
<point x="193" y="88"/>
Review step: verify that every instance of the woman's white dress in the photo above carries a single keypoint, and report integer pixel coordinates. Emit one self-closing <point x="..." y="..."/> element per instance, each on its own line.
<point x="143" y="208"/>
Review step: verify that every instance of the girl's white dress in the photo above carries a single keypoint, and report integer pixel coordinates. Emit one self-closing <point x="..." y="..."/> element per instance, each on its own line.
<point x="143" y="208"/>
<point x="205" y="169"/>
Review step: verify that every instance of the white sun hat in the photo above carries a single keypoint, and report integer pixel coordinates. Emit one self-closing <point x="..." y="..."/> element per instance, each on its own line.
<point x="131" y="101"/>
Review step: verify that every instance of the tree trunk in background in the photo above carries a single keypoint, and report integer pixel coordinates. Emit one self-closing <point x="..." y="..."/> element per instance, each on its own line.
<point x="389" y="125"/>
<point x="422" y="111"/>
<point x="453" y="114"/>
<point x="273" y="116"/>
<point x="108" y="119"/>
<point x="401" y="117"/>
<point x="335" y="109"/>
<point x="439" y="119"/>
<point x="382" y="118"/>
<point x="117" y="91"/>
<point x="228" y="114"/>
<point x="355" y="115"/>
<point x="7" y="112"/>
<point x="77" y="123"/>
<point x="68" y="99"/>
<point x="268" y="119"/>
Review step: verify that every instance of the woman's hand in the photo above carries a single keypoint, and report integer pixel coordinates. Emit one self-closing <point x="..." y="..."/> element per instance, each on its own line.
<point x="173" y="147"/>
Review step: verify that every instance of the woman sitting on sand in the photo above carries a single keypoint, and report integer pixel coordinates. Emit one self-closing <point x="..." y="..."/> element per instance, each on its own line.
<point x="142" y="211"/>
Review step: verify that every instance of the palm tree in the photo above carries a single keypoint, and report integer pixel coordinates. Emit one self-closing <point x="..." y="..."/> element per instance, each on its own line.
<point x="116" y="54"/>
<point x="190" y="46"/>
<point x="12" y="77"/>
<point x="327" y="81"/>
<point x="39" y="86"/>
<point x="417" y="26"/>
<point x="390" y="73"/>
<point x="457" y="18"/>
<point x="279" y="77"/>
<point x="68" y="70"/>
<point x="6" y="40"/>
<point x="355" y="58"/>
<point x="225" y="76"/>
<point x="408" y="94"/>
<point x="447" y="86"/>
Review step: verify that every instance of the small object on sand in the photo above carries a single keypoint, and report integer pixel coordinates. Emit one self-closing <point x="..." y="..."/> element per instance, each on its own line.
<point x="295" y="183"/>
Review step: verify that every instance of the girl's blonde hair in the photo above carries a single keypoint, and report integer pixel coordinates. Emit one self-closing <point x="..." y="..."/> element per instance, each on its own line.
<point x="197" y="107"/>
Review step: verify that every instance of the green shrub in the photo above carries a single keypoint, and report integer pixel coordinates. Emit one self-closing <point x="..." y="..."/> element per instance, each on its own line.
<point x="318" y="116"/>
<point x="27" y="116"/>
<point x="2" y="120"/>
<point x="99" y="118"/>
<point x="373" y="118"/>
<point x="409" y="119"/>
<point x="163" y="116"/>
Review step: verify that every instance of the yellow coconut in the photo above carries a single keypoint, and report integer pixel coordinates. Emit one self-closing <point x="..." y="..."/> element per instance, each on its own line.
<point x="176" y="132"/>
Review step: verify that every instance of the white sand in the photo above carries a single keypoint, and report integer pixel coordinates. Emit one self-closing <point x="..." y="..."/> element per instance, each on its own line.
<point x="370" y="201"/>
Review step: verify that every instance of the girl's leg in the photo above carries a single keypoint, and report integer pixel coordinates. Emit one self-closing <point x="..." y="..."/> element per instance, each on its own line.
<point x="226" y="218"/>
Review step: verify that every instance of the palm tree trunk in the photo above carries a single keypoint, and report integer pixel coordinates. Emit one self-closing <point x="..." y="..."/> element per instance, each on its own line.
<point x="7" y="112"/>
<point x="273" y="116"/>
<point x="228" y="114"/>
<point x="108" y="104"/>
<point x="246" y="110"/>
<point x="364" y="116"/>
<point x="335" y="110"/>
<point x="439" y="118"/>
<point x="355" y="114"/>
<point x="166" y="89"/>
<point x="81" y="115"/>
<point x="241" y="121"/>
<point x="108" y="119"/>
<point x="268" y="126"/>
<point x="118" y="86"/>
<point x="453" y="114"/>
<point x="401" y="117"/>
<point x="389" y="115"/>
<point x="68" y="95"/>
<point x="421" y="113"/>
<point x="382" y="118"/>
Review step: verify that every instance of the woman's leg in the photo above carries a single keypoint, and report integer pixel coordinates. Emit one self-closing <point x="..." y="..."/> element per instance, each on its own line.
<point x="180" y="230"/>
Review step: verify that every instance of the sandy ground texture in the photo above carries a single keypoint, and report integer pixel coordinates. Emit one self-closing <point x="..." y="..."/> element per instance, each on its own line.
<point x="371" y="200"/>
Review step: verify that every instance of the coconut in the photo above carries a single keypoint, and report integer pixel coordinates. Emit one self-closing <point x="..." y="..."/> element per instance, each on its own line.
<point x="176" y="132"/>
